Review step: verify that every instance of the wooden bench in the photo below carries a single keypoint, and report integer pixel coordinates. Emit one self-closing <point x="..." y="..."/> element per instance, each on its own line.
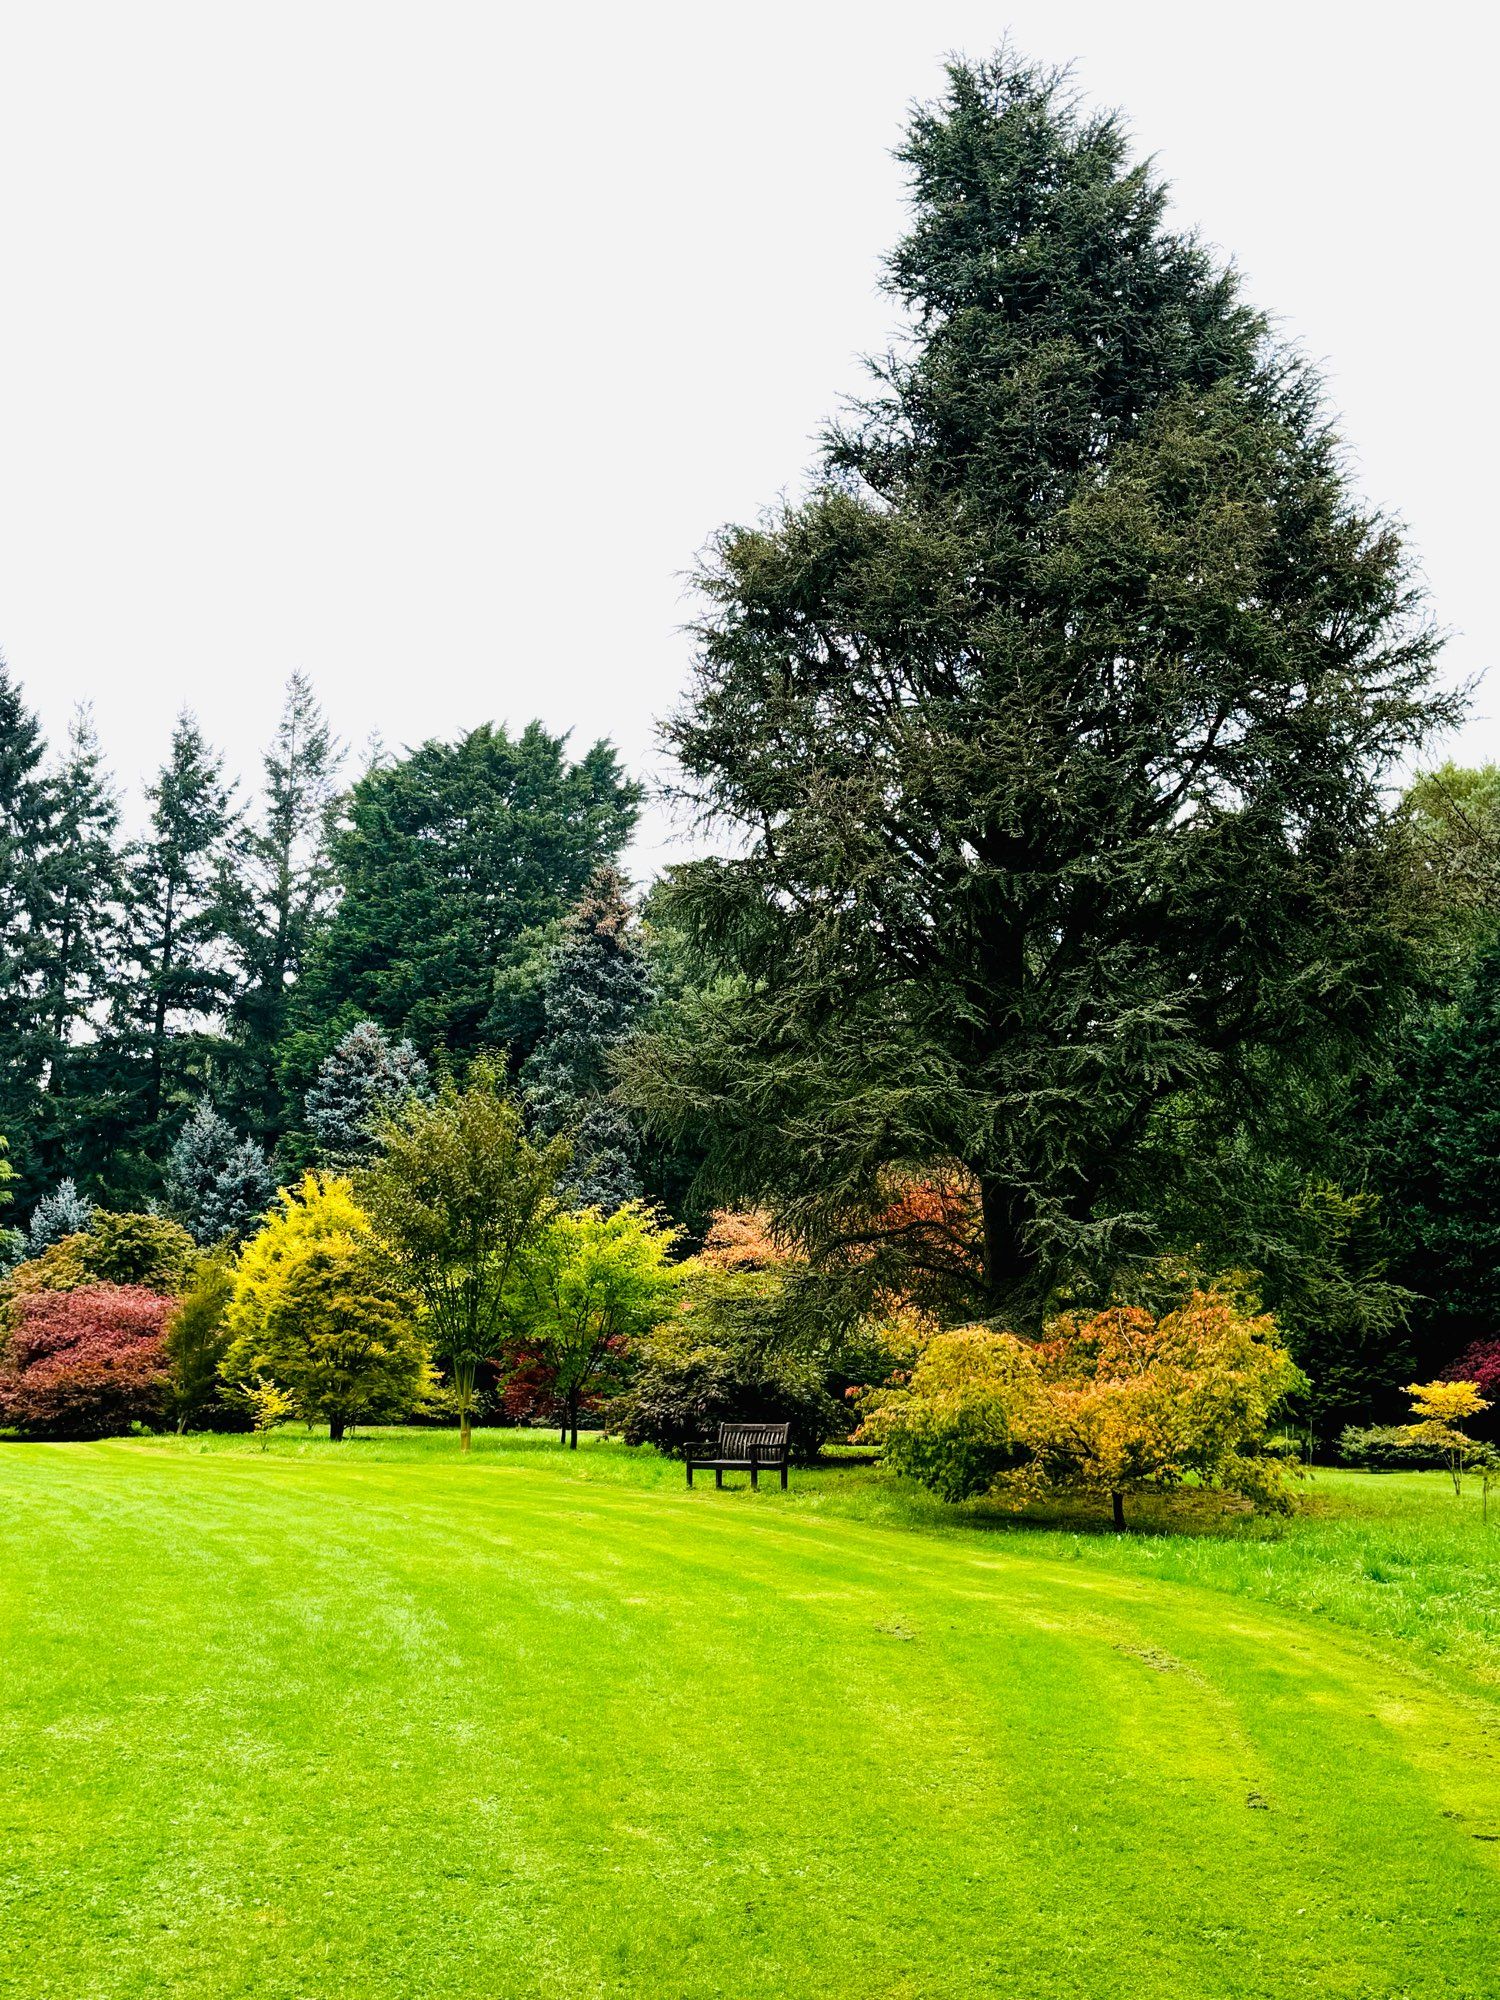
<point x="743" y="1448"/>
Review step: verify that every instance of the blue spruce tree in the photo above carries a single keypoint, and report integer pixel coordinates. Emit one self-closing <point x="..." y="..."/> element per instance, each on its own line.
<point x="596" y="993"/>
<point x="218" y="1184"/>
<point x="63" y="1212"/>
<point x="365" y="1078"/>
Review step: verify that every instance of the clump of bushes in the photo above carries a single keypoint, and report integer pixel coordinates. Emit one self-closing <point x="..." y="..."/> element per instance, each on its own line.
<point x="85" y="1363"/>
<point x="1110" y="1403"/>
<point x="197" y="1340"/>
<point x="129" y="1249"/>
<point x="84" y="1351"/>
<point x="695" y="1376"/>
<point x="1389" y="1448"/>
<point x="756" y="1337"/>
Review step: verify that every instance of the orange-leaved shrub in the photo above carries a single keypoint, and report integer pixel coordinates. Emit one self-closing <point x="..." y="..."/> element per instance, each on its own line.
<point x="1114" y="1402"/>
<point x="85" y="1363"/>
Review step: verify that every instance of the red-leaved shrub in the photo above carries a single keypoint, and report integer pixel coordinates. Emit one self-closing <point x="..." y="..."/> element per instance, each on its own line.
<point x="1479" y="1364"/>
<point x="85" y="1364"/>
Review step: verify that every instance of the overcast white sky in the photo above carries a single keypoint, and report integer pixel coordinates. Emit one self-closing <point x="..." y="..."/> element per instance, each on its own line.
<point x="422" y="346"/>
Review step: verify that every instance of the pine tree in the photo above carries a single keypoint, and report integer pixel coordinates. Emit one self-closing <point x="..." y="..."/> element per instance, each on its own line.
<point x="217" y="1183"/>
<point x="184" y="908"/>
<point x="25" y="814"/>
<point x="595" y="996"/>
<point x="1050" y="734"/>
<point x="63" y="1212"/>
<point x="290" y="895"/>
<point x="366" y="1078"/>
<point x="12" y="1241"/>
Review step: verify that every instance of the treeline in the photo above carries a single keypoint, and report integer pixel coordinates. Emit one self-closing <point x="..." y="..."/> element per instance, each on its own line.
<point x="220" y="958"/>
<point x="1075" y="945"/>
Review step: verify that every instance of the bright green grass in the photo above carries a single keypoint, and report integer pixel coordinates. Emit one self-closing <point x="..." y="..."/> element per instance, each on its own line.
<point x="366" y="1720"/>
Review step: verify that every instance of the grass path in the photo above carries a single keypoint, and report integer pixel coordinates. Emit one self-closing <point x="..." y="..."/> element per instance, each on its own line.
<point x="323" y="1725"/>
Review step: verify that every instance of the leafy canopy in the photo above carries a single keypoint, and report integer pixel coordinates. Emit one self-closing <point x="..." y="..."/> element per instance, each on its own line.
<point x="457" y="1194"/>
<point x="145" y="1250"/>
<point x="338" y="1336"/>
<point x="320" y="1213"/>
<point x="586" y="1288"/>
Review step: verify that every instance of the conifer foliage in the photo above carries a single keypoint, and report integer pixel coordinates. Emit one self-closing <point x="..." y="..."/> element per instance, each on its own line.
<point x="63" y="1212"/>
<point x="365" y="1079"/>
<point x="1050" y="732"/>
<point x="595" y="997"/>
<point x="24" y="819"/>
<point x="217" y="1184"/>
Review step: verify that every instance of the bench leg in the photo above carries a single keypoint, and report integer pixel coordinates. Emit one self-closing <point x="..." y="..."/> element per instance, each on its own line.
<point x="719" y="1477"/>
<point x="755" y="1475"/>
<point x="690" y="1474"/>
<point x="783" y="1479"/>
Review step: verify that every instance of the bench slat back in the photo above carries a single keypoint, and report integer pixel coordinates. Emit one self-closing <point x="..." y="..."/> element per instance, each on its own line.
<point x="771" y="1440"/>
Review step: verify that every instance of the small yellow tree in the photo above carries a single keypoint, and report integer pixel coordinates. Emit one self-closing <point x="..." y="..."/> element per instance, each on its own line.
<point x="1440" y="1408"/>
<point x="314" y="1311"/>
<point x="268" y="1407"/>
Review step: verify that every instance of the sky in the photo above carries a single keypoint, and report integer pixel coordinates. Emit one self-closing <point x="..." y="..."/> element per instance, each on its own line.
<point x="422" y="347"/>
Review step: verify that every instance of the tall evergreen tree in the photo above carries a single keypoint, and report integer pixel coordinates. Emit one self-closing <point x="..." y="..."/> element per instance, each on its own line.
<point x="79" y="939"/>
<point x="595" y="997"/>
<point x="184" y="908"/>
<point x="1052" y="729"/>
<point x="25" y="813"/>
<point x="1435" y="1139"/>
<point x="290" y="887"/>
<point x="450" y="863"/>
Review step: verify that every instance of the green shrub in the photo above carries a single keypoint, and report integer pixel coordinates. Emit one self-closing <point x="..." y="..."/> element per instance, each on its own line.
<point x="687" y="1388"/>
<point x="197" y="1340"/>
<point x="131" y="1249"/>
<point x="736" y="1351"/>
<point x="1389" y="1448"/>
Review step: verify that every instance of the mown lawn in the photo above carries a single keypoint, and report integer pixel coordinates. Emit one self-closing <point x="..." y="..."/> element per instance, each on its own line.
<point x="368" y="1720"/>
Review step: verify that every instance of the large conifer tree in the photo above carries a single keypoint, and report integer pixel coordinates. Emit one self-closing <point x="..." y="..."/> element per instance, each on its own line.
<point x="451" y="863"/>
<point x="25" y="815"/>
<point x="184" y="908"/>
<point x="1051" y="729"/>
<point x="289" y="895"/>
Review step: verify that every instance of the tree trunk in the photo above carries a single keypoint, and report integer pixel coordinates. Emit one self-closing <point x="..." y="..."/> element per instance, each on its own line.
<point x="1118" y="1502"/>
<point x="573" y="1421"/>
<point x="464" y="1366"/>
<point x="1009" y="1261"/>
<point x="335" y="1428"/>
